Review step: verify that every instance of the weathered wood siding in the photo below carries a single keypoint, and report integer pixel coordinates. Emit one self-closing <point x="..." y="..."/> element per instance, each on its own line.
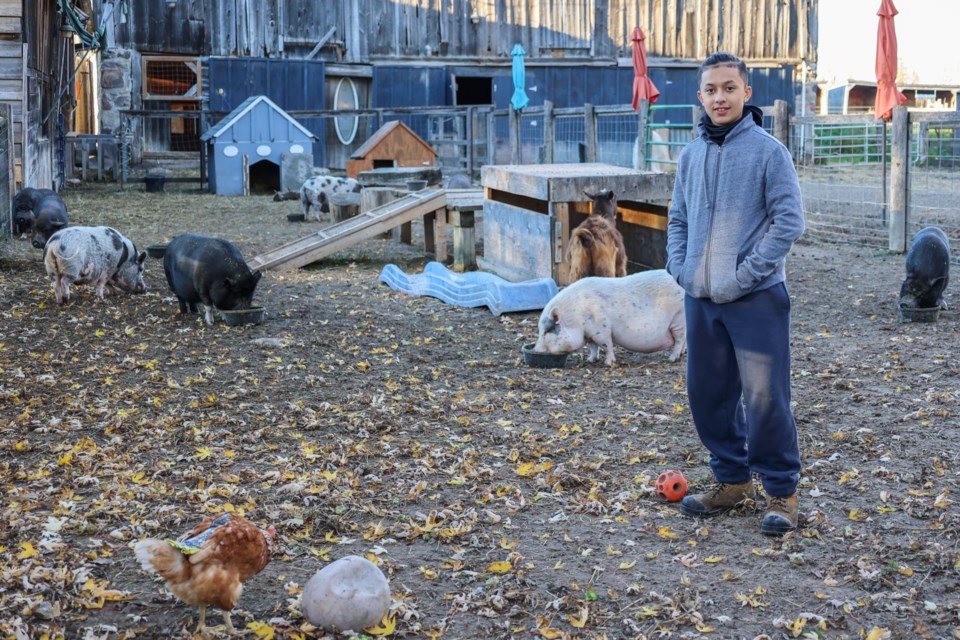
<point x="372" y="30"/>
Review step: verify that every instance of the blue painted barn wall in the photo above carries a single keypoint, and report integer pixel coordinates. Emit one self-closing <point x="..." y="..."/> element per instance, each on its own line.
<point x="294" y="85"/>
<point x="398" y="86"/>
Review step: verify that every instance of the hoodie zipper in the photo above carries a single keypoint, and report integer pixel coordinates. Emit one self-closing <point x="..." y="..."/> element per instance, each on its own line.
<point x="713" y="210"/>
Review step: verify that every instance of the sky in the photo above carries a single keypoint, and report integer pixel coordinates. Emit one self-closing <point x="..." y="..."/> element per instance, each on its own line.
<point x="927" y="38"/>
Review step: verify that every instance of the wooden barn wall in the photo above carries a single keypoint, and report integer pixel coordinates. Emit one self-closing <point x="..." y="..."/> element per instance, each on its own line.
<point x="372" y="30"/>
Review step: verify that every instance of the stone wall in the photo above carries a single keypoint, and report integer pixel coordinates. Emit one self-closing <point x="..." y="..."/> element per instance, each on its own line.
<point x="120" y="90"/>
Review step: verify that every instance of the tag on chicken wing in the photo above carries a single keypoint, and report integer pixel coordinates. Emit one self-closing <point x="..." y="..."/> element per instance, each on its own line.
<point x="191" y="545"/>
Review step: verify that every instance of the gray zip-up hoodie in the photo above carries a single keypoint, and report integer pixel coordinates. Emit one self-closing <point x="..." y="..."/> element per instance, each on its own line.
<point x="736" y="212"/>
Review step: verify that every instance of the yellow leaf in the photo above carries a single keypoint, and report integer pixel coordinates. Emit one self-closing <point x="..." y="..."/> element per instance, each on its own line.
<point x="28" y="551"/>
<point x="386" y="627"/>
<point x="714" y="559"/>
<point x="546" y="631"/>
<point x="580" y="621"/>
<point x="507" y="544"/>
<point x="858" y="516"/>
<point x="905" y="571"/>
<point x="262" y="630"/>
<point x="627" y="565"/>
<point x="878" y="633"/>
<point x="561" y="565"/>
<point x="332" y="537"/>
<point x="203" y="453"/>
<point x="99" y="333"/>
<point x="667" y="532"/>
<point x="499" y="567"/>
<point x="429" y="573"/>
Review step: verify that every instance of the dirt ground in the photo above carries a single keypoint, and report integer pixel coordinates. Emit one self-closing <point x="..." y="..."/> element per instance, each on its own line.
<point x="501" y="501"/>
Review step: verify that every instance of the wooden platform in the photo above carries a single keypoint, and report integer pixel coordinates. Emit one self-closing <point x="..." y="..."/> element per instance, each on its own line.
<point x="530" y="210"/>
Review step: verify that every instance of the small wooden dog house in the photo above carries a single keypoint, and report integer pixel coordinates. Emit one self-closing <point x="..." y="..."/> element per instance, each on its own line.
<point x="244" y="149"/>
<point x="393" y="145"/>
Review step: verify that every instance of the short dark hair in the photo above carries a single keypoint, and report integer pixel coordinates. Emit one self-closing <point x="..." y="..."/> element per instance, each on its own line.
<point x="723" y="59"/>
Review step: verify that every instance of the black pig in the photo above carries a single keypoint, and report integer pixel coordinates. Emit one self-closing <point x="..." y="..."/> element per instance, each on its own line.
<point x="211" y="271"/>
<point x="928" y="270"/>
<point x="49" y="216"/>
<point x="24" y="203"/>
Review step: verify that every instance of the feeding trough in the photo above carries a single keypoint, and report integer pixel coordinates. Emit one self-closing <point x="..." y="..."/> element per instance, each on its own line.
<point x="543" y="359"/>
<point x="157" y="251"/>
<point x="237" y="317"/>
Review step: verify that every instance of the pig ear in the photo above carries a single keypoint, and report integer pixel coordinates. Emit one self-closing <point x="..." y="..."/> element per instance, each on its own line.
<point x="141" y="257"/>
<point x="58" y="223"/>
<point x="257" y="275"/>
<point x="611" y="195"/>
<point x="555" y="315"/>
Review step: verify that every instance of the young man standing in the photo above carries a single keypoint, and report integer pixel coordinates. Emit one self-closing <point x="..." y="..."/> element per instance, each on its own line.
<point x="735" y="214"/>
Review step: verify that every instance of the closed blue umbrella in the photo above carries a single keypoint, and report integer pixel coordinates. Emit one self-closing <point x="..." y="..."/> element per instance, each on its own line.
<point x="519" y="99"/>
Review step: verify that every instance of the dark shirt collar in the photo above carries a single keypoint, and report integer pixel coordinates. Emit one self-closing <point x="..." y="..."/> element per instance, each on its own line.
<point x="718" y="133"/>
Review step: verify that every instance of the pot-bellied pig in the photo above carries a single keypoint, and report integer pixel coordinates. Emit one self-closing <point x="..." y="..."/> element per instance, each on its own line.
<point x="49" y="216"/>
<point x="640" y="312"/>
<point x="93" y="255"/>
<point x="211" y="271"/>
<point x="24" y="203"/>
<point x="316" y="192"/>
<point x="928" y="270"/>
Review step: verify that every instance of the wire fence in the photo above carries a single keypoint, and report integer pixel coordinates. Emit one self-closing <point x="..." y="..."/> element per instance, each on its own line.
<point x="844" y="167"/>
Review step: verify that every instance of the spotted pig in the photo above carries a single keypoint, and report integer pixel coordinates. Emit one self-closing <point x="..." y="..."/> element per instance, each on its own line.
<point x="93" y="255"/>
<point x="316" y="192"/>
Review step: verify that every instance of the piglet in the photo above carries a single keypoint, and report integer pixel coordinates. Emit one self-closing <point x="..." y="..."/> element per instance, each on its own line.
<point x="640" y="312"/>
<point x="928" y="270"/>
<point x="96" y="255"/>
<point x="211" y="271"/>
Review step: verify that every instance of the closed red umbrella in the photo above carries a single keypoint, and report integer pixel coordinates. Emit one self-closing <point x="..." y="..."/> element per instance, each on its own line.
<point x="887" y="94"/>
<point x="643" y="88"/>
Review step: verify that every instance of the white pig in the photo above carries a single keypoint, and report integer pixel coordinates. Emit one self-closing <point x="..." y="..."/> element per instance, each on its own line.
<point x="98" y="255"/>
<point x="640" y="312"/>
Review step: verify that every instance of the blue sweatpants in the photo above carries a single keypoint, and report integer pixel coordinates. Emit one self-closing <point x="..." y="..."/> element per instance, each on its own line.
<point x="738" y="383"/>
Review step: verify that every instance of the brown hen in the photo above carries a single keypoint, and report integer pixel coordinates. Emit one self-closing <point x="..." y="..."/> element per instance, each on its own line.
<point x="208" y="565"/>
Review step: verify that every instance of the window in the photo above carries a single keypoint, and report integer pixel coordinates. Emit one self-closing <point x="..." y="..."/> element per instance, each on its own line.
<point x="345" y="98"/>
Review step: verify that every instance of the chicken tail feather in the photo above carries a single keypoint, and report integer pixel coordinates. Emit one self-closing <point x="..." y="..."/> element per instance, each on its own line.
<point x="161" y="558"/>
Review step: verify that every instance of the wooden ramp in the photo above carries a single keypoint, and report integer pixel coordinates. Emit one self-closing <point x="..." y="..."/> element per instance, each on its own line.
<point x="329" y="240"/>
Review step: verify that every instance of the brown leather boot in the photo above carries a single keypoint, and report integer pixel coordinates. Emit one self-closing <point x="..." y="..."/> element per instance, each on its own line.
<point x="780" y="516"/>
<point x="717" y="500"/>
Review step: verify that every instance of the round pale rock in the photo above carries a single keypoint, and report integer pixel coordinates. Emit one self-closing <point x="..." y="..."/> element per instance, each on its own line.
<point x="350" y="594"/>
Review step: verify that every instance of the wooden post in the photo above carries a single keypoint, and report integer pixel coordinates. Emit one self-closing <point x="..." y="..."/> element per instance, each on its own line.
<point x="781" y="122"/>
<point x="899" y="163"/>
<point x="491" y="139"/>
<point x="464" y="240"/>
<point x="514" y="135"/>
<point x="246" y="175"/>
<point x="548" y="135"/>
<point x="643" y="113"/>
<point x="590" y="132"/>
<point x="471" y="113"/>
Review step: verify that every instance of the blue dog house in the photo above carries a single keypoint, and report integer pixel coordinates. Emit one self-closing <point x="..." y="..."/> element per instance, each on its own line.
<point x="244" y="149"/>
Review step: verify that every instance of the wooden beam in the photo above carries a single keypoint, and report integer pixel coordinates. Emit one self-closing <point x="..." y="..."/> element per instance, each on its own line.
<point x="322" y="42"/>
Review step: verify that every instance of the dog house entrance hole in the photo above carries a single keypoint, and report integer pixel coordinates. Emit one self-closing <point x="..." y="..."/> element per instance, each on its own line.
<point x="264" y="178"/>
<point x="384" y="164"/>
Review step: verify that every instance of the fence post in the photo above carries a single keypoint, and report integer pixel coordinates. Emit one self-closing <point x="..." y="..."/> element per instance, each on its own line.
<point x="471" y="112"/>
<point x="514" y="117"/>
<point x="491" y="138"/>
<point x="643" y="112"/>
<point x="781" y="122"/>
<point x="590" y="132"/>
<point x="899" y="163"/>
<point x="548" y="135"/>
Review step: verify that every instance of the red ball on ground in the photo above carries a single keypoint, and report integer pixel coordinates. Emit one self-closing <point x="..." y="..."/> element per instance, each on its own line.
<point x="671" y="486"/>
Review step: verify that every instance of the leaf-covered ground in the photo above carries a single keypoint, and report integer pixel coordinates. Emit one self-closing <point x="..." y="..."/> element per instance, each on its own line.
<point x="501" y="501"/>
